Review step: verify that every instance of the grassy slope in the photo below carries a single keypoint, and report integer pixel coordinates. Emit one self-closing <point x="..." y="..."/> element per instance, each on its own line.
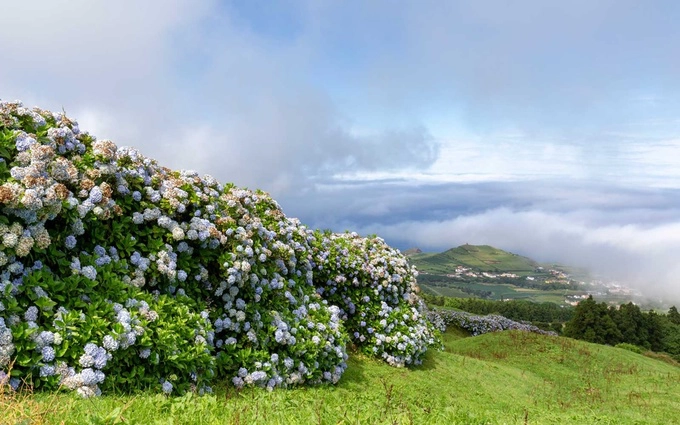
<point x="479" y="257"/>
<point x="483" y="258"/>
<point x="502" y="378"/>
<point x="500" y="291"/>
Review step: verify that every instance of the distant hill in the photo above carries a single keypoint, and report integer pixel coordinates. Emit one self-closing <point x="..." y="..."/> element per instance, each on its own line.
<point x="483" y="258"/>
<point x="492" y="273"/>
<point x="412" y="251"/>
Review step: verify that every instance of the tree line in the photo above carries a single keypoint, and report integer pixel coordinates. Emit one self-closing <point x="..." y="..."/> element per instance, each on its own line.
<point x="588" y="321"/>
<point x="602" y="324"/>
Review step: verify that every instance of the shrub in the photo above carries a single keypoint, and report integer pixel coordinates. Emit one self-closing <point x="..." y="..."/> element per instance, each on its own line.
<point x="630" y="347"/>
<point x="116" y="272"/>
<point x="375" y="288"/>
<point x="478" y="325"/>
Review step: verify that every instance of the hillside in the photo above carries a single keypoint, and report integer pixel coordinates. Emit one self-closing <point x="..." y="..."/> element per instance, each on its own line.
<point x="482" y="271"/>
<point x="478" y="257"/>
<point x="496" y="378"/>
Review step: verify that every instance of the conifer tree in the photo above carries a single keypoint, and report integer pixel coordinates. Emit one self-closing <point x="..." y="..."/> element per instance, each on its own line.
<point x="592" y="323"/>
<point x="674" y="316"/>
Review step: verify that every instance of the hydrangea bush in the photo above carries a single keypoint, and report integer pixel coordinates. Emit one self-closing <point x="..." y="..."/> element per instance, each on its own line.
<point x="375" y="288"/>
<point x="116" y="272"/>
<point x="478" y="325"/>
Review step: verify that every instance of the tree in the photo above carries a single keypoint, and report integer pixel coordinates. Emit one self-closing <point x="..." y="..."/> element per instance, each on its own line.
<point x="656" y="331"/>
<point x="674" y="316"/>
<point x="591" y="322"/>
<point x="632" y="324"/>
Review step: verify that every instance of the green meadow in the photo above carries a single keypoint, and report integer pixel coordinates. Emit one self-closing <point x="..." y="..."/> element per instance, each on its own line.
<point x="499" y="378"/>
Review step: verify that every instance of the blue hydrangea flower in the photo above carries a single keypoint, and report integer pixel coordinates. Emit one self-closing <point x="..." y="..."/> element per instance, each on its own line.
<point x="48" y="354"/>
<point x="89" y="377"/>
<point x="96" y="195"/>
<point x="31" y="314"/>
<point x="89" y="272"/>
<point x="47" y="370"/>
<point x="24" y="142"/>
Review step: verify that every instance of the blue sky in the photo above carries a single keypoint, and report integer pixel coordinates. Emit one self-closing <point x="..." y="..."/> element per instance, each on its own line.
<point x="551" y="129"/>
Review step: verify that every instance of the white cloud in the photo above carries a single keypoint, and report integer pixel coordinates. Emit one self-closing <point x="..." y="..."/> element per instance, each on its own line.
<point x="193" y="86"/>
<point x="516" y="96"/>
<point x="644" y="256"/>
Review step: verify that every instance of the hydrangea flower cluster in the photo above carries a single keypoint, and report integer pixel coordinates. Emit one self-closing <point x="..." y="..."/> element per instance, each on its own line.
<point x="6" y="346"/>
<point x="478" y="325"/>
<point x="375" y="288"/>
<point x="117" y="272"/>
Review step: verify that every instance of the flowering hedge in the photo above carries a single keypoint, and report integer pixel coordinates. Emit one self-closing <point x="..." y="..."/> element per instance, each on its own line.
<point x="478" y="325"/>
<point x="117" y="272"/>
<point x="375" y="288"/>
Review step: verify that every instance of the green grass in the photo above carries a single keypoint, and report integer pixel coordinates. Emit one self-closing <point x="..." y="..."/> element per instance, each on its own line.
<point x="500" y="378"/>
<point x="500" y="292"/>
<point x="446" y="291"/>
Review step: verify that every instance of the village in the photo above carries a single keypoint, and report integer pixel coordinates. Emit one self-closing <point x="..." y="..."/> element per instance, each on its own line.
<point x="597" y="288"/>
<point x="557" y="276"/>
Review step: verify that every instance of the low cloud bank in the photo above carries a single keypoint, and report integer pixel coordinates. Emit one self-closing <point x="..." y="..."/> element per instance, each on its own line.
<point x="643" y="256"/>
<point x="619" y="232"/>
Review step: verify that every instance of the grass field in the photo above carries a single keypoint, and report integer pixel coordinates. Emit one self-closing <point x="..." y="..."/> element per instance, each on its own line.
<point x="500" y="292"/>
<point x="500" y="378"/>
<point x="445" y="291"/>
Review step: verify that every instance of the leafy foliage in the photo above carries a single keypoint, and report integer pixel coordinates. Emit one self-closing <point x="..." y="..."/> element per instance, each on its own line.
<point x="626" y="325"/>
<point x="592" y="323"/>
